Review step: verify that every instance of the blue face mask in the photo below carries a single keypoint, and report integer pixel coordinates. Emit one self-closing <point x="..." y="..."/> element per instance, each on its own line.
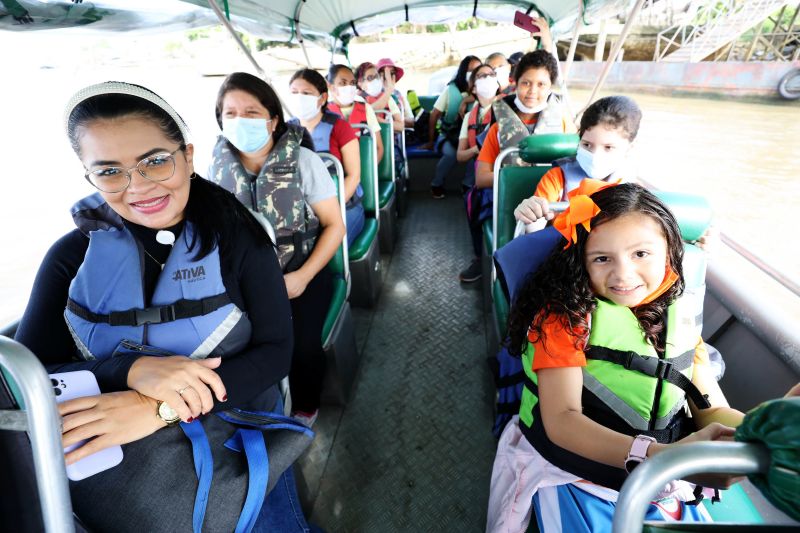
<point x="246" y="134"/>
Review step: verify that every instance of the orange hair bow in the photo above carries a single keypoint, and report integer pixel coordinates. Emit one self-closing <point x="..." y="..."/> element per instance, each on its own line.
<point x="581" y="209"/>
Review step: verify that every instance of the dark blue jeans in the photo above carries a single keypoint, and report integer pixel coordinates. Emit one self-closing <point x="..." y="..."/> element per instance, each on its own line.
<point x="281" y="510"/>
<point x="355" y="222"/>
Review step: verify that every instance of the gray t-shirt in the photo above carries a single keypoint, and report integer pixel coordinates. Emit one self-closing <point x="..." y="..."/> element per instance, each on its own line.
<point x="315" y="180"/>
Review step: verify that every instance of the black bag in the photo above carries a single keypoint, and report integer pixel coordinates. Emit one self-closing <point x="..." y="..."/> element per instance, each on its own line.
<point x="154" y="487"/>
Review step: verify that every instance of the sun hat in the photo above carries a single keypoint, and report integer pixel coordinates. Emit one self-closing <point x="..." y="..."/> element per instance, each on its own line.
<point x="386" y="62"/>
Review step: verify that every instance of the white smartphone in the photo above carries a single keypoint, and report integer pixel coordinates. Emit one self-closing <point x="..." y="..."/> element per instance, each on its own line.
<point x="71" y="385"/>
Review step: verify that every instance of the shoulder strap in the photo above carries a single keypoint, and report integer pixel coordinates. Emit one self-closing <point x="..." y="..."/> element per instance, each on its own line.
<point x="153" y="315"/>
<point x="665" y="369"/>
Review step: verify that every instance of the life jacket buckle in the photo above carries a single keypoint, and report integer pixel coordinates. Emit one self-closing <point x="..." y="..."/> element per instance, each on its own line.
<point x="663" y="369"/>
<point x="154" y="315"/>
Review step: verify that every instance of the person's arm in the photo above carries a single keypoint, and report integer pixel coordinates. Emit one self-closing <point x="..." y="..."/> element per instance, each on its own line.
<point x="543" y="34"/>
<point x="382" y="101"/>
<point x="462" y="107"/>
<point x="320" y="194"/>
<point x="702" y="378"/>
<point x="465" y="153"/>
<point x="375" y="127"/>
<point x="397" y="116"/>
<point x="351" y="161"/>
<point x="547" y="191"/>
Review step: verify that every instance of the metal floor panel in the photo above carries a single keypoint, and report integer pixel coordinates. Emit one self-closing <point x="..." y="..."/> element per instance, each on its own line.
<point x="413" y="449"/>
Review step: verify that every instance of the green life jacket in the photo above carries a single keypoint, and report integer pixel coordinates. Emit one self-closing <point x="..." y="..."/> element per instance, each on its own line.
<point x="276" y="193"/>
<point x="627" y="387"/>
<point x="454" y="98"/>
<point x="511" y="130"/>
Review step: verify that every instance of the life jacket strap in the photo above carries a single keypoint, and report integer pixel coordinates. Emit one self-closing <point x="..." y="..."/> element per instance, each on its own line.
<point x="152" y="315"/>
<point x="664" y="369"/>
<point x="675" y="430"/>
<point x="298" y="239"/>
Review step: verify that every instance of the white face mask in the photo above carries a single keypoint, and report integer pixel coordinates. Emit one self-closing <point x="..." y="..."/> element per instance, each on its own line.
<point x="600" y="165"/>
<point x="486" y="87"/>
<point x="374" y="87"/>
<point x="303" y="106"/>
<point x="346" y="94"/>
<point x="528" y="110"/>
<point x="502" y="75"/>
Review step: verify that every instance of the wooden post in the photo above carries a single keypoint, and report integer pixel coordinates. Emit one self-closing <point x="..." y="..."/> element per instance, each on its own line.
<point x="600" y="47"/>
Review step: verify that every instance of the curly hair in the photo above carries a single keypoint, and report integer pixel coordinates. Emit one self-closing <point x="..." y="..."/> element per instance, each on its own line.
<point x="561" y="287"/>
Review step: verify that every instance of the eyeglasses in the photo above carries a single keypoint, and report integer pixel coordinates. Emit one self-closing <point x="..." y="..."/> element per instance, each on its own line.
<point x="371" y="78"/>
<point x="157" y="167"/>
<point x="484" y="75"/>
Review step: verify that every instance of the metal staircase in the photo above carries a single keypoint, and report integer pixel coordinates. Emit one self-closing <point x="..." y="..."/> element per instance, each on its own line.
<point x="710" y="25"/>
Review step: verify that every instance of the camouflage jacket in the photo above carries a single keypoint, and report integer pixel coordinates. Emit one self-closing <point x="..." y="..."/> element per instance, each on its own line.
<point x="275" y="193"/>
<point x="511" y="130"/>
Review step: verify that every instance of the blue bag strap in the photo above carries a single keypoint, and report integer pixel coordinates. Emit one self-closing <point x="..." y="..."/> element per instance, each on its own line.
<point x="252" y="442"/>
<point x="204" y="469"/>
<point x="275" y="421"/>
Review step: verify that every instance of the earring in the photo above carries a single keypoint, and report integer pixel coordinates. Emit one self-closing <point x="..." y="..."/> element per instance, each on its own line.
<point x="193" y="176"/>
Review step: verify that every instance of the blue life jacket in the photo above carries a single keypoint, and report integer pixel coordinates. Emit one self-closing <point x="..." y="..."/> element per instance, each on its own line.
<point x="322" y="143"/>
<point x="190" y="312"/>
<point x="514" y="262"/>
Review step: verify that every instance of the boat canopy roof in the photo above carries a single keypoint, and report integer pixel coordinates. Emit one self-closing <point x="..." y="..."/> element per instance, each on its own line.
<point x="330" y="23"/>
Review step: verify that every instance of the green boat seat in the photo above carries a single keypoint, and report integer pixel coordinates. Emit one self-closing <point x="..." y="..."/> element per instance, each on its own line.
<point x="364" y="254"/>
<point x="338" y="332"/>
<point x="427" y="101"/>
<point x="546" y="148"/>
<point x="387" y="189"/>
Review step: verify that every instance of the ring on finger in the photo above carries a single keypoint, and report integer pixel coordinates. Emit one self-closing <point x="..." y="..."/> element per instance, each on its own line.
<point x="187" y="387"/>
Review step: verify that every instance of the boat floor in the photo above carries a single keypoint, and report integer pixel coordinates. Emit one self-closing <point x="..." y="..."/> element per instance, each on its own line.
<point x="413" y="449"/>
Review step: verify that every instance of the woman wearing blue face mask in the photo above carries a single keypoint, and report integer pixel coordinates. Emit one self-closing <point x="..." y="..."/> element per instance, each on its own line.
<point x="331" y="133"/>
<point x="261" y="159"/>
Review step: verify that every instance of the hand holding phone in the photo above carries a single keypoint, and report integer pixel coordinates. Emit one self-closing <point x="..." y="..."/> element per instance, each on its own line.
<point x="71" y="385"/>
<point x="521" y="20"/>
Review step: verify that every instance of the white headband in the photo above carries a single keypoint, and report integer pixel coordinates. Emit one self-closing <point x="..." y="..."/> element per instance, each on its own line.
<point x="119" y="87"/>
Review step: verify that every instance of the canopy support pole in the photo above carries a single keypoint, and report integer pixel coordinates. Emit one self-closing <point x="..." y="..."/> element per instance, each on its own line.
<point x="300" y="39"/>
<point x="612" y="57"/>
<point x="225" y="22"/>
<point x="573" y="45"/>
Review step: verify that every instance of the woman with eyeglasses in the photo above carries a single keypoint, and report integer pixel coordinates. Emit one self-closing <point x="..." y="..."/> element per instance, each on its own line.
<point x="345" y="101"/>
<point x="377" y="92"/>
<point x="263" y="161"/>
<point x="162" y="265"/>
<point x="484" y="86"/>
<point x="308" y="102"/>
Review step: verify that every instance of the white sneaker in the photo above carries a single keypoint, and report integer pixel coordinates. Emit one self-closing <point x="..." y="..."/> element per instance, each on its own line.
<point x="307" y="419"/>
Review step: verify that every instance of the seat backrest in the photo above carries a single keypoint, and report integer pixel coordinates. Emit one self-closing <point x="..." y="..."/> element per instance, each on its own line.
<point x="338" y="263"/>
<point x="369" y="177"/>
<point x="546" y="148"/>
<point x="386" y="164"/>
<point x="427" y="101"/>
<point x="514" y="185"/>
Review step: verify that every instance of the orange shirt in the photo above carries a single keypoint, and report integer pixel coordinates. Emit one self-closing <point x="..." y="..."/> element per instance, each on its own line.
<point x="551" y="185"/>
<point x="491" y="146"/>
<point x="555" y="348"/>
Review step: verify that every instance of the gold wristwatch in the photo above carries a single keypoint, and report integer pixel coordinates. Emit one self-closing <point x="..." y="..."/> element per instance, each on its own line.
<point x="167" y="413"/>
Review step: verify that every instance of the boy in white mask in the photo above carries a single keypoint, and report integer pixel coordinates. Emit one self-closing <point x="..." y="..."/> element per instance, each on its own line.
<point x="345" y="102"/>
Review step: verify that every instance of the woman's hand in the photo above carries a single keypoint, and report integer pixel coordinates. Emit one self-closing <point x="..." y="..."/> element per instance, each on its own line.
<point x="532" y="209"/>
<point x="107" y="420"/>
<point x="794" y="391"/>
<point x="296" y="283"/>
<point x="185" y="384"/>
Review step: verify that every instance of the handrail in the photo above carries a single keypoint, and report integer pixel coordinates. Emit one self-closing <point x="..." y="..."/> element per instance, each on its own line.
<point x="498" y="164"/>
<point x="337" y="165"/>
<point x="388" y="115"/>
<point x="365" y="129"/>
<point x="44" y="428"/>
<point x="679" y="462"/>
